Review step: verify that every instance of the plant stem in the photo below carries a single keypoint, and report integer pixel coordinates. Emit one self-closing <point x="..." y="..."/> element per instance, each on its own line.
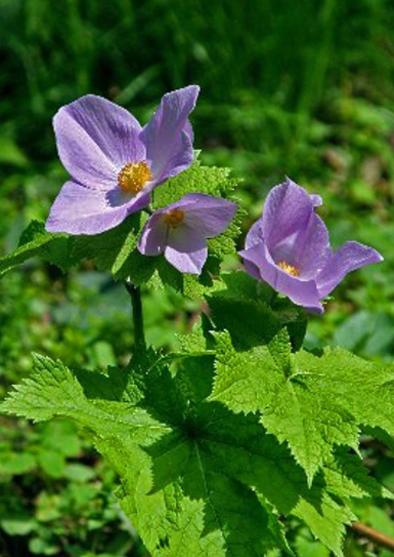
<point x="139" y="335"/>
<point x="377" y="537"/>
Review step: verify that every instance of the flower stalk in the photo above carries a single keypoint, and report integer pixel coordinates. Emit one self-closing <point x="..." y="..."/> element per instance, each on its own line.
<point x="138" y="320"/>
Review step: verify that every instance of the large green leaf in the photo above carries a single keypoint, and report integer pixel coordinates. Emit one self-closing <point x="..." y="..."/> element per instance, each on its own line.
<point x="196" y="478"/>
<point x="313" y="403"/>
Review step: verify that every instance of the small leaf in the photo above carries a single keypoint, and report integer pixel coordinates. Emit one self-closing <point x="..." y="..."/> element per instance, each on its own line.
<point x="196" y="179"/>
<point x="10" y="153"/>
<point x="18" y="524"/>
<point x="243" y="308"/>
<point x="35" y="241"/>
<point x="52" y="462"/>
<point x="112" y="249"/>
<point x="14" y="464"/>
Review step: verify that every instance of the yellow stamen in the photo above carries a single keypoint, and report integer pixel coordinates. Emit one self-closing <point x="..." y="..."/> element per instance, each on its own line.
<point x="289" y="268"/>
<point x="174" y="218"/>
<point x="133" y="177"/>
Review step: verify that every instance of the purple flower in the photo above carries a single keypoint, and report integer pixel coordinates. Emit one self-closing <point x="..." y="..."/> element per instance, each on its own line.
<point x="113" y="162"/>
<point x="289" y="248"/>
<point x="180" y="230"/>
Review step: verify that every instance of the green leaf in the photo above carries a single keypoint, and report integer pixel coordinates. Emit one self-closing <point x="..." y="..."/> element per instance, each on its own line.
<point x="54" y="390"/>
<point x="196" y="478"/>
<point x="192" y="286"/>
<point x="14" y="463"/>
<point x="311" y="403"/>
<point x="243" y="296"/>
<point x="200" y="338"/>
<point x="61" y="436"/>
<point x="346" y="476"/>
<point x="79" y="472"/>
<point x="307" y="547"/>
<point x="10" y="153"/>
<point x="35" y="241"/>
<point x="48" y="507"/>
<point x="19" y="524"/>
<point x="196" y="179"/>
<point x="52" y="462"/>
<point x="114" y="250"/>
<point x="239" y="374"/>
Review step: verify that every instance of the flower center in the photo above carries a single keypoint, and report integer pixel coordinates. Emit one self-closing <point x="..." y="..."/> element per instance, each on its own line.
<point x="133" y="177"/>
<point x="289" y="268"/>
<point x="174" y="218"/>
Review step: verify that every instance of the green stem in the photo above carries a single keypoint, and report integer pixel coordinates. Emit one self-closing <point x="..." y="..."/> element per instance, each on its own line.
<point x="139" y="335"/>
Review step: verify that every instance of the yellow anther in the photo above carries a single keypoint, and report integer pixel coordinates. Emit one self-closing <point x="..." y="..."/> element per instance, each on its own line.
<point x="174" y="218"/>
<point x="289" y="268"/>
<point x="133" y="177"/>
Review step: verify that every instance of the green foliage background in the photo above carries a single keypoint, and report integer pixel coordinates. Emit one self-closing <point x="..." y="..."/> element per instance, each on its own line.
<point x="304" y="89"/>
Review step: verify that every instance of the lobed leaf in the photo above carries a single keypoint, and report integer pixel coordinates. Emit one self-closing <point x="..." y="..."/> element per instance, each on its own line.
<point x="35" y="241"/>
<point x="197" y="478"/>
<point x="312" y="403"/>
<point x="196" y="179"/>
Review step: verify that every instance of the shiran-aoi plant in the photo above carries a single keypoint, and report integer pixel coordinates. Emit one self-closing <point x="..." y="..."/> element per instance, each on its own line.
<point x="222" y="445"/>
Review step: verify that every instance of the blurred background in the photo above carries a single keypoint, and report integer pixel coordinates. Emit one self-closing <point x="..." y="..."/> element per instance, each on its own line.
<point x="304" y="89"/>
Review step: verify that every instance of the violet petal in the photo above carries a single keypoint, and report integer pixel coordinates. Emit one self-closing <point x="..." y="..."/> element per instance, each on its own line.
<point x="207" y="214"/>
<point x="349" y="257"/>
<point x="186" y="249"/>
<point x="255" y="234"/>
<point x="95" y="139"/>
<point x="308" y="250"/>
<point x="81" y="210"/>
<point x="301" y="292"/>
<point x="154" y="235"/>
<point x="167" y="136"/>
<point x="286" y="212"/>
<point x="251" y="268"/>
<point x="187" y="262"/>
<point x="185" y="239"/>
<point x="316" y="199"/>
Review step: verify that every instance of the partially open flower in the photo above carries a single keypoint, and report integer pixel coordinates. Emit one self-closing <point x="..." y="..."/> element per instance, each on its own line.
<point x="289" y="248"/>
<point x="113" y="162"/>
<point x="180" y="230"/>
